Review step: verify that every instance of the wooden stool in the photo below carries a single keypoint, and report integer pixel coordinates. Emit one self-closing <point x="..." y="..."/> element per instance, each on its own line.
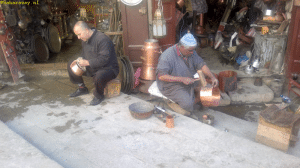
<point x="112" y="88"/>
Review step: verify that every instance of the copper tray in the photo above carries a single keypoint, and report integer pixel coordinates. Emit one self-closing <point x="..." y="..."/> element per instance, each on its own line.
<point x="141" y="110"/>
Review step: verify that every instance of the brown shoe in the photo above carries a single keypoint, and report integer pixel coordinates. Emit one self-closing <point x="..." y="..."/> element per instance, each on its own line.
<point x="175" y="107"/>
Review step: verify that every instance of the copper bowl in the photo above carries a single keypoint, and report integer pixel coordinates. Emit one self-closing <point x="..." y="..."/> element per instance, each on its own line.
<point x="77" y="69"/>
<point x="141" y="110"/>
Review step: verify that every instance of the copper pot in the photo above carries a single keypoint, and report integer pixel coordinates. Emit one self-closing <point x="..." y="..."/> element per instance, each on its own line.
<point x="151" y="52"/>
<point x="77" y="69"/>
<point x="213" y="100"/>
<point x="180" y="3"/>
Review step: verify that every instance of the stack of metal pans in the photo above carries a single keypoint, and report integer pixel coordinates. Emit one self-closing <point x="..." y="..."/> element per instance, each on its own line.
<point x="127" y="75"/>
<point x="40" y="48"/>
<point x="53" y="39"/>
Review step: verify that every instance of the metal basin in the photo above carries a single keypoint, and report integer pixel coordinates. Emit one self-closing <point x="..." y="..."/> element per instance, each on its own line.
<point x="141" y="110"/>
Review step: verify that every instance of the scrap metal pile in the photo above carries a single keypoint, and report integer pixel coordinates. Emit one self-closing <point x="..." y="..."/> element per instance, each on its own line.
<point x="242" y="22"/>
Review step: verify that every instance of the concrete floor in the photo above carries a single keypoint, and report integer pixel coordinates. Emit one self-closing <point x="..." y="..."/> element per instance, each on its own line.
<point x="68" y="132"/>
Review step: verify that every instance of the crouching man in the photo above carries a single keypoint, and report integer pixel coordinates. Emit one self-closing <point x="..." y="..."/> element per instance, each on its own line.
<point x="175" y="70"/>
<point x="99" y="59"/>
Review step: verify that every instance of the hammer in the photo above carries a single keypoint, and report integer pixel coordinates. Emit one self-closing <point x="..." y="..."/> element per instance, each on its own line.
<point x="206" y="90"/>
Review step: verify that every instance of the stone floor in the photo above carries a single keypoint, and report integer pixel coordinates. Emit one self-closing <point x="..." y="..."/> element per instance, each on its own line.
<point x="74" y="134"/>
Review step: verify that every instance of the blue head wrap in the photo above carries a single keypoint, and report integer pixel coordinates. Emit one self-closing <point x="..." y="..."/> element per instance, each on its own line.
<point x="188" y="40"/>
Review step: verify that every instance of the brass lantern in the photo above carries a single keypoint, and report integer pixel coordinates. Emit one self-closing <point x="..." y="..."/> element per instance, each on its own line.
<point x="159" y="22"/>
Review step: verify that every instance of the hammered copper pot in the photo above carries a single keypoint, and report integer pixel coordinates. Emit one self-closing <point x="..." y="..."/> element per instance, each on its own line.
<point x="77" y="69"/>
<point x="212" y="100"/>
<point x="151" y="52"/>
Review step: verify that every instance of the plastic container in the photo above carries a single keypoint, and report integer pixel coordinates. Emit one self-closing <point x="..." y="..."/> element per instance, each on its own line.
<point x="285" y="99"/>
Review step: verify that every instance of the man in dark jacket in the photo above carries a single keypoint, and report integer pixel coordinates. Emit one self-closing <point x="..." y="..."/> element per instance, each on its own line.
<point x="99" y="59"/>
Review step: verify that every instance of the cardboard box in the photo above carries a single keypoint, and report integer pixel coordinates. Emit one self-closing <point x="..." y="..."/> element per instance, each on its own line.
<point x="273" y="135"/>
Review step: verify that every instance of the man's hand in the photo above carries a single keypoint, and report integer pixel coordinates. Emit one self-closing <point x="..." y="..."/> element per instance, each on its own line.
<point x="215" y="82"/>
<point x="83" y="62"/>
<point x="187" y="80"/>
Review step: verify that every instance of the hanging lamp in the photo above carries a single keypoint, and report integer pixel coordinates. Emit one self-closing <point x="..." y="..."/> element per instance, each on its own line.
<point x="159" y="22"/>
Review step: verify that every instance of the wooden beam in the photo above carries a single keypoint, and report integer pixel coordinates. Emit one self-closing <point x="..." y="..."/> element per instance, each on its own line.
<point x="114" y="33"/>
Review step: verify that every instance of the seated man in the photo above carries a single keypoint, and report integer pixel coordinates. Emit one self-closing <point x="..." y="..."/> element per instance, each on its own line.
<point x="175" y="70"/>
<point x="99" y="58"/>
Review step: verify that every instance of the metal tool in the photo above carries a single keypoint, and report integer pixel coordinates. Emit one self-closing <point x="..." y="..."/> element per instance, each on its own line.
<point x="161" y="114"/>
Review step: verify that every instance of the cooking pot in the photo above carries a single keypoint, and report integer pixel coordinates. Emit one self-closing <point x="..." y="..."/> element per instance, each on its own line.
<point x="141" y="110"/>
<point x="77" y="69"/>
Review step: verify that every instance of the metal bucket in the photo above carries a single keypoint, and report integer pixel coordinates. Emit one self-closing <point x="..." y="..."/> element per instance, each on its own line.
<point x="151" y="52"/>
<point x="228" y="81"/>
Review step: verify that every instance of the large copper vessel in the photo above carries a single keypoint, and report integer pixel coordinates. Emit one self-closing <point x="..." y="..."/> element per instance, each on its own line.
<point x="199" y="29"/>
<point x="151" y="52"/>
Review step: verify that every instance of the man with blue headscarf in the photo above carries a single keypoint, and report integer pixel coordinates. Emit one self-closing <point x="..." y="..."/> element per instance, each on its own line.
<point x="175" y="70"/>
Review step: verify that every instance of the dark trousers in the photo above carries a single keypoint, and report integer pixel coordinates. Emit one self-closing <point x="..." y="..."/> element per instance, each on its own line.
<point x="100" y="78"/>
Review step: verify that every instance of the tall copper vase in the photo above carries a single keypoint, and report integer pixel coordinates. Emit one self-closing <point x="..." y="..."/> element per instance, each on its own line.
<point x="199" y="29"/>
<point x="151" y="52"/>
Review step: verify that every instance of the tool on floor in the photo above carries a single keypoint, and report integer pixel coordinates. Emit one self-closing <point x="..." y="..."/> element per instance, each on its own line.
<point x="161" y="114"/>
<point x="208" y="119"/>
